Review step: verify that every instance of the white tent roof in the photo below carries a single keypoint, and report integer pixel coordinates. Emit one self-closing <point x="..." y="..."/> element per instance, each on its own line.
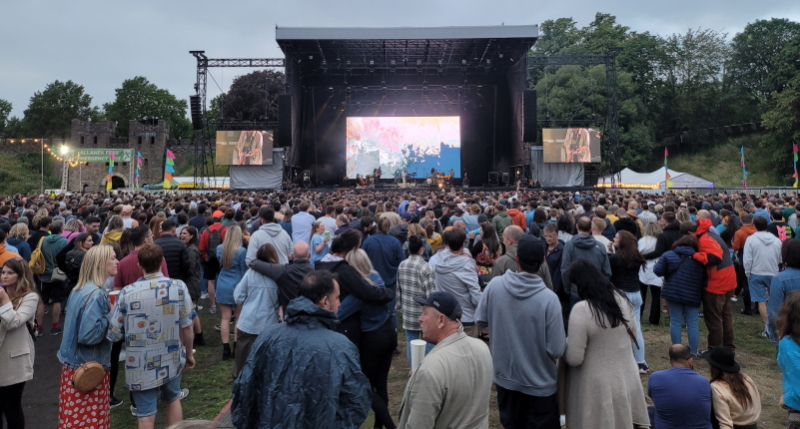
<point x="656" y="179"/>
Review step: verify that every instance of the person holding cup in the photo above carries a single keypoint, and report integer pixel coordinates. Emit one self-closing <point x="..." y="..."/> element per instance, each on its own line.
<point x="320" y="242"/>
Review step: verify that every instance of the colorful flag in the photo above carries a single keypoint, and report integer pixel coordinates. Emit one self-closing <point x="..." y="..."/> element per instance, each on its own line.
<point x="744" y="171"/>
<point x="169" y="170"/>
<point x="794" y="153"/>
<point x="667" y="182"/>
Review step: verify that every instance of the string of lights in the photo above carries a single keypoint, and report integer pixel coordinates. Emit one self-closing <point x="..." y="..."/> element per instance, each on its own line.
<point x="73" y="161"/>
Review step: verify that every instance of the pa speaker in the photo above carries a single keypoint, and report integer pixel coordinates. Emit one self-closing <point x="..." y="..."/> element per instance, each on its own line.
<point x="196" y="106"/>
<point x="284" y="120"/>
<point x="494" y="178"/>
<point x="529" y="116"/>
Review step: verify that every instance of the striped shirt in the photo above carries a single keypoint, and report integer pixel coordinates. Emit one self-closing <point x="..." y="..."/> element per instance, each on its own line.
<point x="415" y="278"/>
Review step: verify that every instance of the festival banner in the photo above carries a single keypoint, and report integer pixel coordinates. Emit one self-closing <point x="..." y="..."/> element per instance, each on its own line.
<point x="169" y="170"/>
<point x="744" y="171"/>
<point x="794" y="152"/>
<point x="101" y="155"/>
<point x="138" y="167"/>
<point x="111" y="159"/>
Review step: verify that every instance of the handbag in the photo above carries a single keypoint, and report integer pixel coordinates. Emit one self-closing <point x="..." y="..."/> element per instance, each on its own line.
<point x="89" y="374"/>
<point x="37" y="262"/>
<point x="59" y="275"/>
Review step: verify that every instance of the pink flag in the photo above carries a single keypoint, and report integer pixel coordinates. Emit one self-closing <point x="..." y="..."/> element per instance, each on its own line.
<point x="666" y="152"/>
<point x="170" y="154"/>
<point x="111" y="155"/>
<point x="794" y="147"/>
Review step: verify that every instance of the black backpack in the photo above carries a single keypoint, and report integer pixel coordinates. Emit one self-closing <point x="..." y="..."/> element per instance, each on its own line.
<point x="214" y="240"/>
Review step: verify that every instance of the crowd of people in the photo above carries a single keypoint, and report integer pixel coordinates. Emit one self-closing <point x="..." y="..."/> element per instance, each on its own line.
<point x="538" y="293"/>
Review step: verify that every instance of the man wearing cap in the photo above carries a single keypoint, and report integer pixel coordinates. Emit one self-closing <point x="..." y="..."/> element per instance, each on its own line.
<point x="451" y="388"/>
<point x="527" y="332"/>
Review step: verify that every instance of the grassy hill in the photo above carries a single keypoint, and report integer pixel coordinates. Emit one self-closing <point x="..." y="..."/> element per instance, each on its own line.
<point x="21" y="172"/>
<point x="721" y="164"/>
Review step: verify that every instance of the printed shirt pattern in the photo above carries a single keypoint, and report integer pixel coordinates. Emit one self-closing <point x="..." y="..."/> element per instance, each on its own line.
<point x="149" y="315"/>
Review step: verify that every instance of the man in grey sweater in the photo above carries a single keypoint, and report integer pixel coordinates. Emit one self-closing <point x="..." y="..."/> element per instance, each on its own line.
<point x="456" y="274"/>
<point x="527" y="332"/>
<point x="272" y="233"/>
<point x="583" y="246"/>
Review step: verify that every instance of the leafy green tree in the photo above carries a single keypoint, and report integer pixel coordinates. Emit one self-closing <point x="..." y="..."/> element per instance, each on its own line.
<point x="252" y="97"/>
<point x="754" y="51"/>
<point x="782" y="120"/>
<point x="139" y="99"/>
<point x="50" y="112"/>
<point x="603" y="33"/>
<point x="5" y="110"/>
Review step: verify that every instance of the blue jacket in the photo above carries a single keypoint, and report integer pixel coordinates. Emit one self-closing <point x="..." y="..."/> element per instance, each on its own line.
<point x="301" y="374"/>
<point x="684" y="278"/>
<point x="85" y="328"/>
<point x="372" y="316"/>
<point x="386" y="254"/>
<point x="23" y="247"/>
<point x="554" y="264"/>
<point x="230" y="277"/>
<point x="782" y="284"/>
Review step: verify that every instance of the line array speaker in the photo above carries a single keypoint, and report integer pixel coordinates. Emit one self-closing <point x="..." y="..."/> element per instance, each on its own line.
<point x="197" y="112"/>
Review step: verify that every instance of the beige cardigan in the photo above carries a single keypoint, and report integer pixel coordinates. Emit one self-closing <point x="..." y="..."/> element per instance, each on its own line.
<point x="16" y="345"/>
<point x="729" y="411"/>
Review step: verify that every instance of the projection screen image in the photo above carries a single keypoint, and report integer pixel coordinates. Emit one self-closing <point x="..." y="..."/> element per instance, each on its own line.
<point x="244" y="148"/>
<point x="417" y="144"/>
<point x="569" y="145"/>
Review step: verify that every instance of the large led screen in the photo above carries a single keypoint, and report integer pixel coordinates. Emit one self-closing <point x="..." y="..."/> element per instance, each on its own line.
<point x="244" y="148"/>
<point x="568" y="145"/>
<point x="418" y="144"/>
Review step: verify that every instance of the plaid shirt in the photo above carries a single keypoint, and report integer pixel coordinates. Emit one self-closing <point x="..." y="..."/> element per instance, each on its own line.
<point x="414" y="278"/>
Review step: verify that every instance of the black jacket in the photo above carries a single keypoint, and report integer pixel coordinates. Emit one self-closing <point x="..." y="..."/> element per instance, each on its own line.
<point x="628" y="224"/>
<point x="399" y="232"/>
<point x="351" y="283"/>
<point x="287" y="276"/>
<point x="671" y="234"/>
<point x="175" y="255"/>
<point x="624" y="277"/>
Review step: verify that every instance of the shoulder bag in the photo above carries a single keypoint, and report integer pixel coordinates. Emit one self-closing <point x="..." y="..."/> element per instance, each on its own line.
<point x="89" y="374"/>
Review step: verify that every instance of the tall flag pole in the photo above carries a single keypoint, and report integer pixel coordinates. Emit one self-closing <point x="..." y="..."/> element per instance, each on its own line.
<point x="111" y="159"/>
<point x="138" y="167"/>
<point x="667" y="182"/>
<point x="744" y="171"/>
<point x="794" y="151"/>
<point x="169" y="170"/>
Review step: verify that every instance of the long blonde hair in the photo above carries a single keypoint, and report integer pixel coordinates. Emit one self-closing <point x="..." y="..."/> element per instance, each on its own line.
<point x="232" y="243"/>
<point x="115" y="223"/>
<point x="42" y="213"/>
<point x="25" y="284"/>
<point x="94" y="267"/>
<point x="359" y="260"/>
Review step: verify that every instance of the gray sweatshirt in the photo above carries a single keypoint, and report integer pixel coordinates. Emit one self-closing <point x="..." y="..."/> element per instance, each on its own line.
<point x="527" y="331"/>
<point x="458" y="275"/>
<point x="762" y="254"/>
<point x="273" y="234"/>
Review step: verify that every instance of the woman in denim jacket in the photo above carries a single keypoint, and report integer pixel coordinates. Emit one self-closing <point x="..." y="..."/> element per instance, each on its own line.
<point x="84" y="340"/>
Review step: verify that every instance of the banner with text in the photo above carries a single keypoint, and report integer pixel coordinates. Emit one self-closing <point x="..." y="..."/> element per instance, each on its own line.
<point x="101" y="155"/>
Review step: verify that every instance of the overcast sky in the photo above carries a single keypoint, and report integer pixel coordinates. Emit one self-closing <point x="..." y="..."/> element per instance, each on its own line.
<point x="100" y="43"/>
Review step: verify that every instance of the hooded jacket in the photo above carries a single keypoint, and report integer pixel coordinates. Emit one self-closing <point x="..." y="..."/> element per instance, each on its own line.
<point x="175" y="254"/>
<point x="500" y="221"/>
<point x="50" y="248"/>
<point x="628" y="224"/>
<point x="554" y="265"/>
<point x="527" y="331"/>
<point x="303" y="374"/>
<point x="457" y="274"/>
<point x="740" y="237"/>
<point x="583" y="246"/>
<point x="6" y="254"/>
<point x="684" y="277"/>
<point x="273" y="234"/>
<point x="719" y="264"/>
<point x="21" y="245"/>
<point x="518" y="218"/>
<point x="762" y="254"/>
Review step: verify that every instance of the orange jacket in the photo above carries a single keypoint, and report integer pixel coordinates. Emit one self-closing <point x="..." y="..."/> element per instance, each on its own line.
<point x="518" y="218"/>
<point x="6" y="254"/>
<point x="741" y="235"/>
<point x="715" y="256"/>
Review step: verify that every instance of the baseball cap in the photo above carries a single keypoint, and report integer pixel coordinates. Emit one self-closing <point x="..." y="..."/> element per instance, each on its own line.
<point x="443" y="302"/>
<point x="218" y="213"/>
<point x="530" y="250"/>
<point x="482" y="218"/>
<point x="651" y="203"/>
<point x="407" y="216"/>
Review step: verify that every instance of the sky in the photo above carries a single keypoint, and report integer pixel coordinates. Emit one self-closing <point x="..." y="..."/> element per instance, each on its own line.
<point x="101" y="43"/>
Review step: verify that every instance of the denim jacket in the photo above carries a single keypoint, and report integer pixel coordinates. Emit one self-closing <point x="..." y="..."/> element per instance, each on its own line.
<point x="85" y="328"/>
<point x="372" y="316"/>
<point x="782" y="285"/>
<point x="258" y="296"/>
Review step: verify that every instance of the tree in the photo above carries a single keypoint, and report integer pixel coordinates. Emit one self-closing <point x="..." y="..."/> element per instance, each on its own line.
<point x="139" y="99"/>
<point x="50" y="112"/>
<point x="753" y="53"/>
<point x="253" y="97"/>
<point x="603" y="33"/>
<point x="782" y="120"/>
<point x="5" y="110"/>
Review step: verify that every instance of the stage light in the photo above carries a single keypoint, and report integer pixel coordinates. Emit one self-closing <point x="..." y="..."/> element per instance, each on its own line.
<point x="64" y="149"/>
<point x="501" y="55"/>
<point x="419" y="62"/>
<point x="464" y="62"/>
<point x="392" y="62"/>
<point x="330" y="88"/>
<point x="489" y="62"/>
<point x="371" y="62"/>
<point x="310" y="57"/>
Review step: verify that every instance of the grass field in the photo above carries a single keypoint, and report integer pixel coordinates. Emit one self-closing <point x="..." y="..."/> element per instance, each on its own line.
<point x="210" y="383"/>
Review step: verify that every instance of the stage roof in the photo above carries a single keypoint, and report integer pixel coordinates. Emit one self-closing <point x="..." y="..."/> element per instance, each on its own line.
<point x="441" y="49"/>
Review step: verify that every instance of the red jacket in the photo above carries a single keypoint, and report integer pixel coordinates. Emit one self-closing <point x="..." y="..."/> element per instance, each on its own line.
<point x="518" y="218"/>
<point x="204" y="239"/>
<point x="715" y="256"/>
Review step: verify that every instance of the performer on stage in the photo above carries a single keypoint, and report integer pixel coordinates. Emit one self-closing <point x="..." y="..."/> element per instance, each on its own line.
<point x="377" y="174"/>
<point x="404" y="175"/>
<point x="249" y="147"/>
<point x="360" y="180"/>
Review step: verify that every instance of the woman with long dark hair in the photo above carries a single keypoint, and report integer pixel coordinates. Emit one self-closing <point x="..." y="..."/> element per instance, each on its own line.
<point x="787" y="326"/>
<point x="603" y="387"/>
<point x="647" y="279"/>
<point x="626" y="262"/>
<point x="735" y="398"/>
<point x="486" y="251"/>
<point x="566" y="228"/>
<point x="18" y="301"/>
<point x="74" y="259"/>
<point x="189" y="236"/>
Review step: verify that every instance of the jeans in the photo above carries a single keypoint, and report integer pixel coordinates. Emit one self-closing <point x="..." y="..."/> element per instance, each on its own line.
<point x="203" y="281"/>
<point x="393" y="305"/>
<point x="11" y="406"/>
<point x="677" y="312"/>
<point x="636" y="299"/>
<point x="415" y="335"/>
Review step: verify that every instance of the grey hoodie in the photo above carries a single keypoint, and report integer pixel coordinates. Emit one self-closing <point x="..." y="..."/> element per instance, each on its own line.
<point x="458" y="275"/>
<point x="527" y="331"/>
<point x="273" y="234"/>
<point x="583" y="246"/>
<point x="762" y="254"/>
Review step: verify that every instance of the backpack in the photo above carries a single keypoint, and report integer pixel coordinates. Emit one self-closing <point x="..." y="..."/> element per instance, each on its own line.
<point x="37" y="263"/>
<point x="214" y="240"/>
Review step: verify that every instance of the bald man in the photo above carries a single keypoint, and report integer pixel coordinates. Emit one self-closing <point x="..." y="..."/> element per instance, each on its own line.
<point x="287" y="276"/>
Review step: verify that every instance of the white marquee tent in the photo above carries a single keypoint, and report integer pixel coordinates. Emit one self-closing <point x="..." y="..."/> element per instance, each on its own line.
<point x="656" y="180"/>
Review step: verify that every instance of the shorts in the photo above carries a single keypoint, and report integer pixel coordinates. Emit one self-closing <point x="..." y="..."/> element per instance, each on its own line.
<point x="759" y="287"/>
<point x="55" y="291"/>
<point x="211" y="270"/>
<point x="145" y="402"/>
